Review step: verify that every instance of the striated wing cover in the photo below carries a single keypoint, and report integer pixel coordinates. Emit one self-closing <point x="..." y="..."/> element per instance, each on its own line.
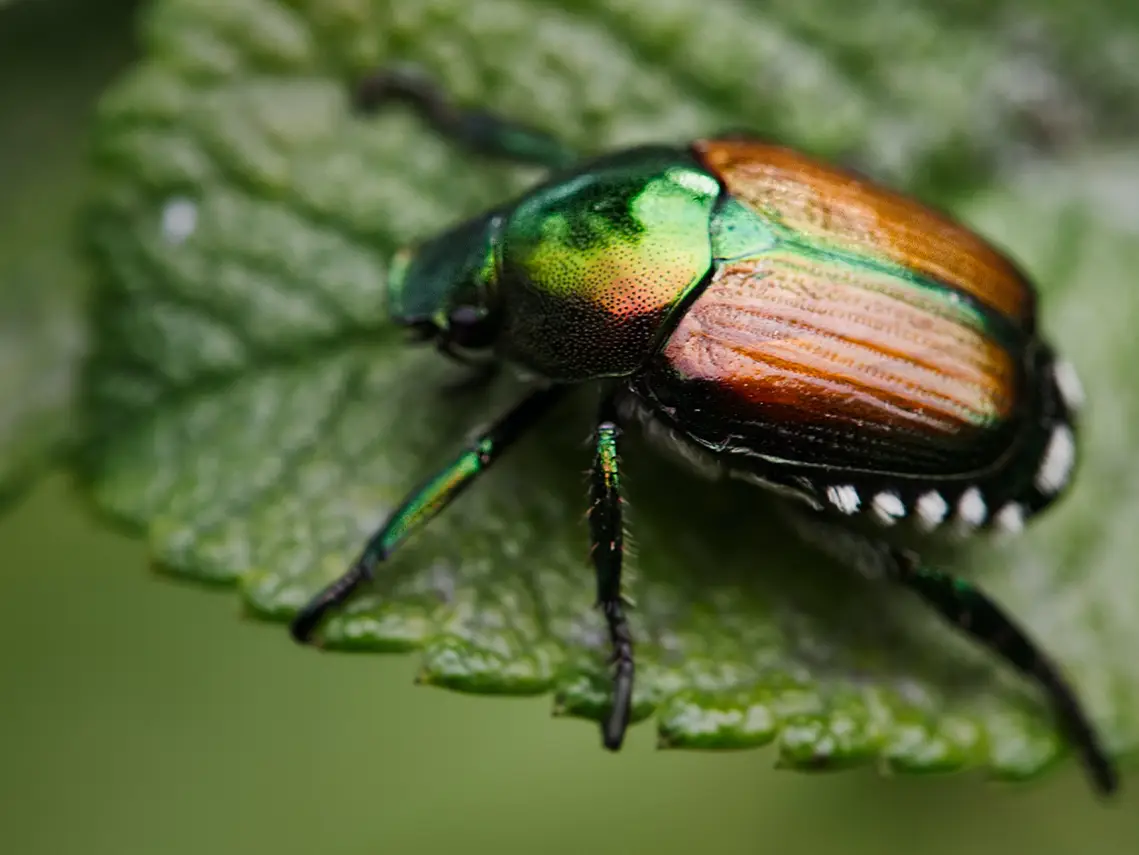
<point x="812" y="357"/>
<point x="832" y="208"/>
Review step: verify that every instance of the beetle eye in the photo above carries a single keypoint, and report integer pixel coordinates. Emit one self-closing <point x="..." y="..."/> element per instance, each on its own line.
<point x="470" y="326"/>
<point x="465" y="316"/>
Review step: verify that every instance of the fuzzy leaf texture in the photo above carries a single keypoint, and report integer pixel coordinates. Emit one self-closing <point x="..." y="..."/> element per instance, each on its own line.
<point x="256" y="417"/>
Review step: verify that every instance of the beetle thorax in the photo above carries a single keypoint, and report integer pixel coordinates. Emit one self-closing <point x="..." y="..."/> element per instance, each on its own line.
<point x="591" y="268"/>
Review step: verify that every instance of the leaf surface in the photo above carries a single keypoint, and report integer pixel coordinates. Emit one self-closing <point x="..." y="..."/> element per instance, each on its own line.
<point x="256" y="417"/>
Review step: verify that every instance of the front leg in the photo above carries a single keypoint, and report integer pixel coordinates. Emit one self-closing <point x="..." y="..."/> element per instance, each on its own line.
<point x="427" y="501"/>
<point x="477" y="130"/>
<point x="607" y="549"/>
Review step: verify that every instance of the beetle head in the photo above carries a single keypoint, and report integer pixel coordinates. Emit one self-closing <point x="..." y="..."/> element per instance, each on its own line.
<point x="441" y="288"/>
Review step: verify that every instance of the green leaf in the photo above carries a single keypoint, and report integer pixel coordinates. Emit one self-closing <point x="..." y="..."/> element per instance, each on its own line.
<point x="256" y="418"/>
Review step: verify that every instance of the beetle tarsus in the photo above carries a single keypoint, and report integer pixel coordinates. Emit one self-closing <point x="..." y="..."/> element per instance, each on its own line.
<point x="621" y="638"/>
<point x="337" y="592"/>
<point x="395" y="82"/>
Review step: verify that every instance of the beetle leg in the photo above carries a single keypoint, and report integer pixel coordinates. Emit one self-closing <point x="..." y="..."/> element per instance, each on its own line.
<point x="970" y="609"/>
<point x="607" y="549"/>
<point x="482" y="132"/>
<point x="426" y="502"/>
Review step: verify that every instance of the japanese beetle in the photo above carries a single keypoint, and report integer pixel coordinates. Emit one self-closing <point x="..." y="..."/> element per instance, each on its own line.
<point x="768" y="317"/>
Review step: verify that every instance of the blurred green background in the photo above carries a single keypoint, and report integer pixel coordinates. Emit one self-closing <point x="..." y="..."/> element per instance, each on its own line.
<point x="142" y="716"/>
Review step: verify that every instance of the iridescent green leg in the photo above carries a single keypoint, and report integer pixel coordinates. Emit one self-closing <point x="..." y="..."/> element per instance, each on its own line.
<point x="482" y="132"/>
<point x="427" y="501"/>
<point x="968" y="608"/>
<point x="607" y="548"/>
